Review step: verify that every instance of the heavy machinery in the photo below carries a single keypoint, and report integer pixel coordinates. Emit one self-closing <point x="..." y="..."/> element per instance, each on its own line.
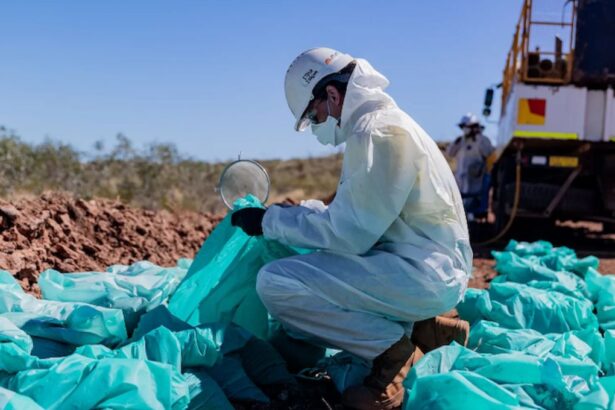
<point x="556" y="134"/>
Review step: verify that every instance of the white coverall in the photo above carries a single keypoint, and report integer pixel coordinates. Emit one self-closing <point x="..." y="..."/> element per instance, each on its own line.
<point x="471" y="156"/>
<point x="393" y="246"/>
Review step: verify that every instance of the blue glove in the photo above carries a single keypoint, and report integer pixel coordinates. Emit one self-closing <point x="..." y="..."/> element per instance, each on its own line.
<point x="250" y="220"/>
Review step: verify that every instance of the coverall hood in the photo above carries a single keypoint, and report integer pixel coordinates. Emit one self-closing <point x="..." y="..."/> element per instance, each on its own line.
<point x="365" y="92"/>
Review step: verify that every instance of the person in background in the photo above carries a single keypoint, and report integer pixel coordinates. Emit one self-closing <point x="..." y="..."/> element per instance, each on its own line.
<point x="470" y="152"/>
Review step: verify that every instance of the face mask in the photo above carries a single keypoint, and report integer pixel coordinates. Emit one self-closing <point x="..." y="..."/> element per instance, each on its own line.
<point x="327" y="132"/>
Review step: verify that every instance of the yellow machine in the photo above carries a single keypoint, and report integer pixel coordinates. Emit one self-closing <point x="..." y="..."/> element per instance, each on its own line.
<point x="556" y="133"/>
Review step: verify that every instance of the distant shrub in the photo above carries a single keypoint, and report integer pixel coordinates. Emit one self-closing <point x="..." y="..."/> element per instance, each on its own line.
<point x="155" y="177"/>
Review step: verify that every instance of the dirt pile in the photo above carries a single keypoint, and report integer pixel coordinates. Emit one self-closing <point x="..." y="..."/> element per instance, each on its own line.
<point x="67" y="234"/>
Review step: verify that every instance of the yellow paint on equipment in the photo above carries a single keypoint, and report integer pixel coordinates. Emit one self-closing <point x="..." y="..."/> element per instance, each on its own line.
<point x="525" y="115"/>
<point x="546" y="135"/>
<point x="565" y="162"/>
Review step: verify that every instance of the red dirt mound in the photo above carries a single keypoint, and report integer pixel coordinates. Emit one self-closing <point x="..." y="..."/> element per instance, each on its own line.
<point x="67" y="234"/>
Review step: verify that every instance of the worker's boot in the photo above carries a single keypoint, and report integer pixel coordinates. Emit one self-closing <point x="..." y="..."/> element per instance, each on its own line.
<point x="439" y="331"/>
<point x="383" y="389"/>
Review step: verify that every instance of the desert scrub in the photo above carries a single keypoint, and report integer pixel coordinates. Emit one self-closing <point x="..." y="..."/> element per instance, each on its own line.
<point x="154" y="177"/>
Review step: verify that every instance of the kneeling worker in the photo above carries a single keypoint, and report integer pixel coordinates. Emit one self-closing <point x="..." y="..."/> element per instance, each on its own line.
<point x="393" y="250"/>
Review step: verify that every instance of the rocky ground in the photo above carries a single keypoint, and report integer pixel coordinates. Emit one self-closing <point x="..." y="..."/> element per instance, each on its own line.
<point x="67" y="234"/>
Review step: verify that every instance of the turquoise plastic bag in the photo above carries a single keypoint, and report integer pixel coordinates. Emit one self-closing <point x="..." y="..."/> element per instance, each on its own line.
<point x="514" y="268"/>
<point x="602" y="290"/>
<point x="15" y="347"/>
<point x="187" y="348"/>
<point x="535" y="339"/>
<point x="247" y="361"/>
<point x="47" y="348"/>
<point x="609" y="351"/>
<point x="228" y="373"/>
<point x="570" y="262"/>
<point x="84" y="383"/>
<point x="228" y="338"/>
<point x="492" y="381"/>
<point x="535" y="264"/>
<point x="145" y="372"/>
<point x="518" y="306"/>
<point x="220" y="286"/>
<point x="490" y="337"/>
<point x="9" y="400"/>
<point x="82" y="380"/>
<point x="537" y="248"/>
<point x="558" y="259"/>
<point x="216" y="354"/>
<point x="464" y="390"/>
<point x="135" y="288"/>
<point x="74" y="323"/>
<point x="601" y="396"/>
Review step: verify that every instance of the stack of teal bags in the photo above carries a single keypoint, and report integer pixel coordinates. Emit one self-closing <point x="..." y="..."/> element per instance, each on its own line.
<point x="196" y="336"/>
<point x="144" y="336"/>
<point x="542" y="337"/>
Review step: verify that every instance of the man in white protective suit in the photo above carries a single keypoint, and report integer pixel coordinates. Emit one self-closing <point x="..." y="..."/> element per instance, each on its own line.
<point x="391" y="250"/>
<point x="470" y="152"/>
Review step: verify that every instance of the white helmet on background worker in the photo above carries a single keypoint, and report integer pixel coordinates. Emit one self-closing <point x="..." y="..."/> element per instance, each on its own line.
<point x="468" y="120"/>
<point x="304" y="73"/>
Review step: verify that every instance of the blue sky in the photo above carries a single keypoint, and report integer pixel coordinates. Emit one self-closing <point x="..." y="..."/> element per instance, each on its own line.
<point x="208" y="75"/>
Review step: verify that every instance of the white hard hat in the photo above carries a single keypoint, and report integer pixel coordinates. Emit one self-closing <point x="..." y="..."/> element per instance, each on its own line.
<point x="468" y="120"/>
<point x="304" y="73"/>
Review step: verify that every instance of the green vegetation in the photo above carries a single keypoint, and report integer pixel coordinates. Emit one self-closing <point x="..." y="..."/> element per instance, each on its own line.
<point x="154" y="177"/>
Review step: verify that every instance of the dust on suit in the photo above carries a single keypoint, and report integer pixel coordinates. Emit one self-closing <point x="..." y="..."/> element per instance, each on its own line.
<point x="391" y="249"/>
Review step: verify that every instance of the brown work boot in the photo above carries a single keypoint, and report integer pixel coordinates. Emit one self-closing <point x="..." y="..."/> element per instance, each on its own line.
<point x="383" y="389"/>
<point x="439" y="331"/>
